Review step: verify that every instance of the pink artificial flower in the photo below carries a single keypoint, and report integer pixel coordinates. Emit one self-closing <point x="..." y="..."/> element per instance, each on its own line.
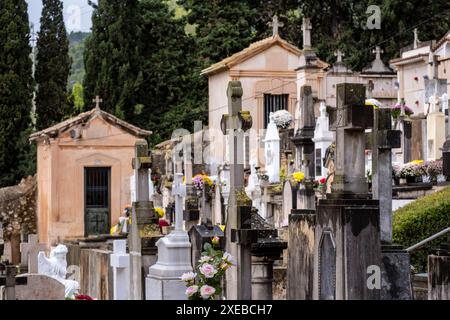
<point x="207" y="291"/>
<point x="190" y="291"/>
<point x="208" y="270"/>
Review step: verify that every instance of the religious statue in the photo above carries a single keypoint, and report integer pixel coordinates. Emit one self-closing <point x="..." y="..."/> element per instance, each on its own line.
<point x="272" y="151"/>
<point x="253" y="188"/>
<point x="56" y="267"/>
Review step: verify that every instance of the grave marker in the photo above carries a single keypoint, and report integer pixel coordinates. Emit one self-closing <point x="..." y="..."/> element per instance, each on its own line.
<point x="120" y="262"/>
<point x="29" y="252"/>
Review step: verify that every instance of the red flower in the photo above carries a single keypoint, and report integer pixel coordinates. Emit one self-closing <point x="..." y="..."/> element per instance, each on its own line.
<point x="83" y="297"/>
<point x="323" y="181"/>
<point x="163" y="223"/>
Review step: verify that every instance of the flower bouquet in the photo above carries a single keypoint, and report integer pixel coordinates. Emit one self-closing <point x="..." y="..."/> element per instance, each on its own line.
<point x="200" y="180"/>
<point x="206" y="284"/>
<point x="282" y="119"/>
<point x="397" y="110"/>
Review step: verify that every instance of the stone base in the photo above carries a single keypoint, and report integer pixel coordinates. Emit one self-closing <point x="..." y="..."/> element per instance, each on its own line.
<point x="174" y="258"/>
<point x="347" y="249"/>
<point x="164" y="289"/>
<point x="395" y="273"/>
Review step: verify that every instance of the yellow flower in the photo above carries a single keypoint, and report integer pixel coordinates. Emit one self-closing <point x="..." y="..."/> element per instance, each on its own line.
<point x="298" y="176"/>
<point x="417" y="162"/>
<point x="207" y="180"/>
<point x="160" y="212"/>
<point x="222" y="227"/>
<point x="215" y="240"/>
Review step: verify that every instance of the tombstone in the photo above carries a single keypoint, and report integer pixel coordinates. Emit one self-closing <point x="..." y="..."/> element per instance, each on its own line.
<point x="144" y="223"/>
<point x="29" y="252"/>
<point x="289" y="200"/>
<point x="205" y="231"/>
<point x="239" y="234"/>
<point x="323" y="138"/>
<point x="174" y="255"/>
<point x="396" y="277"/>
<point x="39" y="287"/>
<point x="191" y="213"/>
<point x="302" y="220"/>
<point x="439" y="273"/>
<point x="265" y="251"/>
<point x="347" y="221"/>
<point x="272" y="151"/>
<point x="8" y="281"/>
<point x="120" y="262"/>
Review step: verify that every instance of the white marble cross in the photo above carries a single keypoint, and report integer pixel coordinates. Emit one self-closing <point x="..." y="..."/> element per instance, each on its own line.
<point x="306" y="28"/>
<point x="339" y="55"/>
<point x="120" y="262"/>
<point x="178" y="192"/>
<point x="416" y="38"/>
<point x="97" y="102"/>
<point x="276" y="25"/>
<point x="29" y="252"/>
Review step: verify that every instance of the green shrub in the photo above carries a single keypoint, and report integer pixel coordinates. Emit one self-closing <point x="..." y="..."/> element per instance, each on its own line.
<point x="419" y="220"/>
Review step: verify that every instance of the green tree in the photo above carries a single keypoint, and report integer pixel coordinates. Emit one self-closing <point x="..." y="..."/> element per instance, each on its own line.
<point x="77" y="98"/>
<point x="112" y="58"/>
<point x="52" y="67"/>
<point x="16" y="89"/>
<point x="223" y="27"/>
<point x="172" y="91"/>
<point x="77" y="42"/>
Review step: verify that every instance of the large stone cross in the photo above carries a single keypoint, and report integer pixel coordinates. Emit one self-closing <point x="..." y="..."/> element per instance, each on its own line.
<point x="29" y="252"/>
<point x="276" y="25"/>
<point x="306" y="28"/>
<point x="234" y="124"/>
<point x="378" y="51"/>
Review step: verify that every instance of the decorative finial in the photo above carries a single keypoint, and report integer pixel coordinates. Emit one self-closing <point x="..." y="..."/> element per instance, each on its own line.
<point x="276" y="25"/>
<point x="339" y="55"/>
<point x="378" y="52"/>
<point x="97" y="102"/>
<point x="306" y="28"/>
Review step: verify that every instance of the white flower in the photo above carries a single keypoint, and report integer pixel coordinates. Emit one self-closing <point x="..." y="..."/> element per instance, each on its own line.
<point x="208" y="270"/>
<point x="228" y="258"/>
<point x="190" y="291"/>
<point x="204" y="259"/>
<point x="282" y="118"/>
<point x="207" y="291"/>
<point x="189" y="276"/>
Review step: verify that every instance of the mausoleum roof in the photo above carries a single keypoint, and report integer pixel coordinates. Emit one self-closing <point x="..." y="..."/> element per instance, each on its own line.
<point x="441" y="41"/>
<point x="254" y="49"/>
<point x="84" y="118"/>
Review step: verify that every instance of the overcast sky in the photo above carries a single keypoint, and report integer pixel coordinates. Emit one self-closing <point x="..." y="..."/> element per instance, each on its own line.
<point x="77" y="14"/>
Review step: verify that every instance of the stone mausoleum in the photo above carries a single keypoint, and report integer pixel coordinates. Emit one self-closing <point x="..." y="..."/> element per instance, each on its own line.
<point x="84" y="165"/>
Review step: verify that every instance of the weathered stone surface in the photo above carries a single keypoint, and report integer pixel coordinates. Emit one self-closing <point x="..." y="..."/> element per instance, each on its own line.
<point x="39" y="287"/>
<point x="18" y="207"/>
<point x="395" y="274"/>
<point x="96" y="274"/>
<point x="439" y="277"/>
<point x="300" y="268"/>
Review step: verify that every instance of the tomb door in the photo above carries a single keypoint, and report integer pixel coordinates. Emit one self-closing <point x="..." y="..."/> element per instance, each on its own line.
<point x="97" y="186"/>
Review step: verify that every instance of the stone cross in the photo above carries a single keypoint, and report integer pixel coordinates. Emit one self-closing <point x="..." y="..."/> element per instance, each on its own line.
<point x="378" y="51"/>
<point x="384" y="140"/>
<point x="142" y="215"/>
<point x="276" y="25"/>
<point x="234" y="124"/>
<point x="120" y="262"/>
<point x="178" y="192"/>
<point x="97" y="102"/>
<point x="339" y="55"/>
<point x="306" y="28"/>
<point x="352" y="119"/>
<point x="29" y="252"/>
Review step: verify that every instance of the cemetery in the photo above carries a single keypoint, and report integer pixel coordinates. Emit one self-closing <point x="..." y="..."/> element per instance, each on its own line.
<point x="309" y="181"/>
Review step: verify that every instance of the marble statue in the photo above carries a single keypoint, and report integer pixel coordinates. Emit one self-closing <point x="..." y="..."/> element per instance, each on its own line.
<point x="272" y="151"/>
<point x="253" y="189"/>
<point x="56" y="267"/>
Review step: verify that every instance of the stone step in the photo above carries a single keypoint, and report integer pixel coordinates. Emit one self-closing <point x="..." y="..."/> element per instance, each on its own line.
<point x="420" y="286"/>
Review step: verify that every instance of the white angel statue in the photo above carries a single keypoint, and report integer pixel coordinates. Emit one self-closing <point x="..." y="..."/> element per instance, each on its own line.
<point x="253" y="188"/>
<point x="56" y="267"/>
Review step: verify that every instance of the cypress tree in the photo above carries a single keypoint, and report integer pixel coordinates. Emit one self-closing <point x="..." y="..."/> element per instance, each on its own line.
<point x="53" y="67"/>
<point x="16" y="89"/>
<point x="112" y="58"/>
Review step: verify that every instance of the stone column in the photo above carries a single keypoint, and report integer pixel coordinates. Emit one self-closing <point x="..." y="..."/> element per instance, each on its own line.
<point x="120" y="262"/>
